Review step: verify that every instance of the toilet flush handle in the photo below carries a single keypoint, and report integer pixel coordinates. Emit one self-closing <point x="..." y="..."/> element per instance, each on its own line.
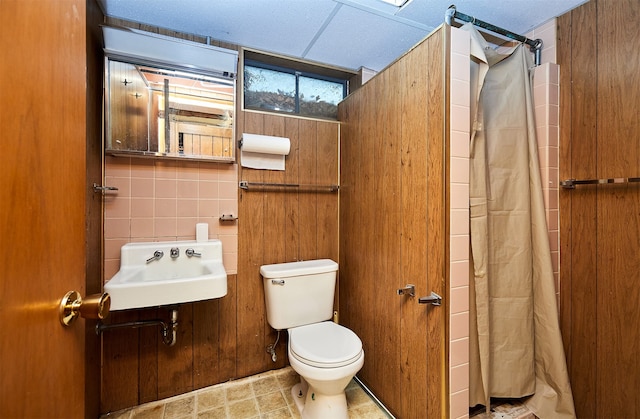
<point x="277" y="281"/>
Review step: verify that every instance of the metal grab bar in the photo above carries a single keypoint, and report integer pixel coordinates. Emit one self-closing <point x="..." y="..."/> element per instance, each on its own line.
<point x="246" y="185"/>
<point x="571" y="183"/>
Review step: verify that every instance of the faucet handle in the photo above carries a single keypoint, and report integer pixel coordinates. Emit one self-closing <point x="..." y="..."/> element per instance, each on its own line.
<point x="156" y="256"/>
<point x="190" y="252"/>
<point x="174" y="252"/>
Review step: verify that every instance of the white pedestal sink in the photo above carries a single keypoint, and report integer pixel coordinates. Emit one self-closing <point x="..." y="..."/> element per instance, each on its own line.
<point x="186" y="271"/>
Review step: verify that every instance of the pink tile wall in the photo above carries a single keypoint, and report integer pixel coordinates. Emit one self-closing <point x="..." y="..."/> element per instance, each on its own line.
<point x="546" y="98"/>
<point x="459" y="225"/>
<point x="546" y="32"/>
<point x="546" y="101"/>
<point x="162" y="200"/>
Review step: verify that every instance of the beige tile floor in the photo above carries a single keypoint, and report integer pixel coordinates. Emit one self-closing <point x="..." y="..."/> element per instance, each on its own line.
<point x="266" y="395"/>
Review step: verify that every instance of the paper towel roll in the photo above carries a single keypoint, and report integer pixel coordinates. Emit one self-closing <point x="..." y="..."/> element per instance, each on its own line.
<point x="264" y="151"/>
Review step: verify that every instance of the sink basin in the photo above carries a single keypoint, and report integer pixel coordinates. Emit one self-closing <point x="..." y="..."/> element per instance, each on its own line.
<point x="145" y="281"/>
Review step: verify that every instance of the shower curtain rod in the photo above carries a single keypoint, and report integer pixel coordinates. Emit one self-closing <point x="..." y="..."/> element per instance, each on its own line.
<point x="534" y="44"/>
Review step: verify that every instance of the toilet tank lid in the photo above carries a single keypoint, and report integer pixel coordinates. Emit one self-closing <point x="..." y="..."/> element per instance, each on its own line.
<point x="307" y="267"/>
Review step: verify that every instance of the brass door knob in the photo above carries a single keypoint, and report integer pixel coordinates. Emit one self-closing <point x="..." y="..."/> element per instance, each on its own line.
<point x="94" y="306"/>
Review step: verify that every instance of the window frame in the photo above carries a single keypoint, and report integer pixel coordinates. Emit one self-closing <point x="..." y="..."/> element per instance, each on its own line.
<point x="297" y="72"/>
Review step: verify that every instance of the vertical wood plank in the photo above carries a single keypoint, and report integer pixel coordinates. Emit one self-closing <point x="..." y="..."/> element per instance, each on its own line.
<point x="308" y="202"/>
<point x="437" y="217"/>
<point x="206" y="341"/>
<point x="175" y="363"/>
<point x="292" y="201"/>
<point x="363" y="247"/>
<point x="618" y="232"/>
<point x="389" y="234"/>
<point x="327" y="202"/>
<point x="583" y="68"/>
<point x="273" y="241"/>
<point x="274" y="201"/>
<point x="251" y="310"/>
<point x="414" y="247"/>
<point x="120" y="369"/>
<point x="563" y="46"/>
<point x="349" y="114"/>
<point x="148" y="338"/>
<point x="227" y="313"/>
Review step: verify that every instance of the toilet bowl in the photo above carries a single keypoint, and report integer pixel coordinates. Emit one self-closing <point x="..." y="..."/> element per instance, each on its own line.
<point x="326" y="355"/>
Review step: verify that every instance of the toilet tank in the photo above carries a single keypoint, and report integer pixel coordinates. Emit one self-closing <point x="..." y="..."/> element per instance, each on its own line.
<point x="299" y="293"/>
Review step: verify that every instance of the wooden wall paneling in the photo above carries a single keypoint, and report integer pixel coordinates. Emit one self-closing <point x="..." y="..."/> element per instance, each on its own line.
<point x="437" y="216"/>
<point x="175" y="363"/>
<point x="618" y="233"/>
<point x="251" y="310"/>
<point x="365" y="275"/>
<point x="307" y="155"/>
<point x="148" y="339"/>
<point x="206" y="342"/>
<point x="582" y="33"/>
<point x="227" y="313"/>
<point x="273" y="242"/>
<point x="563" y="47"/>
<point x="599" y="225"/>
<point x="120" y="364"/>
<point x="618" y="295"/>
<point x="414" y="229"/>
<point x="387" y="236"/>
<point x="292" y="200"/>
<point x="349" y="114"/>
<point x="274" y="208"/>
<point x="618" y="80"/>
<point x="327" y="202"/>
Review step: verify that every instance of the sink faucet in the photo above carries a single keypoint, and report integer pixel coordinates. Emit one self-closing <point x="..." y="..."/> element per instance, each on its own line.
<point x="190" y="252"/>
<point x="156" y="256"/>
<point x="174" y="253"/>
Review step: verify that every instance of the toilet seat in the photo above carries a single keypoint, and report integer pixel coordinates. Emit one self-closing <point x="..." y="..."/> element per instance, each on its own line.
<point x="324" y="345"/>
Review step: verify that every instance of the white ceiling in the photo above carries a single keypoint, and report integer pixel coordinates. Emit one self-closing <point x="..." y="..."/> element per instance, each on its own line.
<point x="343" y="33"/>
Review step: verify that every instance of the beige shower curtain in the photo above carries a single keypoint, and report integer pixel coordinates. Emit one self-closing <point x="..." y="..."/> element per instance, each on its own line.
<point x="516" y="347"/>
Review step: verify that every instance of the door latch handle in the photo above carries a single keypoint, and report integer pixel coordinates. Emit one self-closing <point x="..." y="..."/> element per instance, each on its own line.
<point x="433" y="299"/>
<point x="408" y="289"/>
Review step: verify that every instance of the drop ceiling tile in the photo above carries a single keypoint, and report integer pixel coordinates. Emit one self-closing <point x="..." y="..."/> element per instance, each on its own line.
<point x="355" y="39"/>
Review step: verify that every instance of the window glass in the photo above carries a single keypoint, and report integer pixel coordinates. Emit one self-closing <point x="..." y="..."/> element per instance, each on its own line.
<point x="269" y="89"/>
<point x="319" y="97"/>
<point x="276" y="88"/>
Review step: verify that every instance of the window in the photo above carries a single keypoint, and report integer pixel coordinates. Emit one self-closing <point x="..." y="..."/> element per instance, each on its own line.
<point x="285" y="89"/>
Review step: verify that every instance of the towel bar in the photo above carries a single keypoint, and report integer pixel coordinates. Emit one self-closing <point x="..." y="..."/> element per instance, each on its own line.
<point x="571" y="183"/>
<point x="246" y="185"/>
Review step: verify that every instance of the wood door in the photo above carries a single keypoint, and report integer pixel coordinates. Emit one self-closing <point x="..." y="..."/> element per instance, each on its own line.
<point x="43" y="188"/>
<point x="600" y="225"/>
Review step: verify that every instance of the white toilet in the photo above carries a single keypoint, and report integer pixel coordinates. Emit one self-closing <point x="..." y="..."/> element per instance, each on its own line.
<point x="299" y="298"/>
